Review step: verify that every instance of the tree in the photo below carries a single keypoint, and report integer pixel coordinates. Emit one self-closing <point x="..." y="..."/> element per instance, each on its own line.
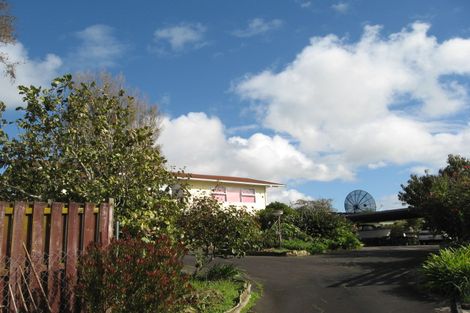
<point x="79" y="142"/>
<point x="7" y="36"/>
<point x="317" y="219"/>
<point x="267" y="219"/>
<point x="444" y="198"/>
<point x="211" y="230"/>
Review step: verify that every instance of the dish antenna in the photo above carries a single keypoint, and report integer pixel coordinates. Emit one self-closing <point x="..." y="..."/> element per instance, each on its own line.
<point x="359" y="201"/>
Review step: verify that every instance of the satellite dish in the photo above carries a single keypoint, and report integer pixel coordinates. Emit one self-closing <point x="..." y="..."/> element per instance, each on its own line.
<point x="359" y="201"/>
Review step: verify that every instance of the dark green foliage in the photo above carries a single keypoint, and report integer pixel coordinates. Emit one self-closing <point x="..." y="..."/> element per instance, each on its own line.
<point x="133" y="276"/>
<point x="267" y="219"/>
<point x="82" y="142"/>
<point x="444" y="198"/>
<point x="448" y="272"/>
<point x="288" y="232"/>
<point x="222" y="271"/>
<point x="316" y="219"/>
<point x="312" y="247"/>
<point x="211" y="230"/>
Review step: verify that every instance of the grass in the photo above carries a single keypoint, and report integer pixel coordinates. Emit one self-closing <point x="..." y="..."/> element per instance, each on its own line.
<point x="216" y="296"/>
<point x="256" y="293"/>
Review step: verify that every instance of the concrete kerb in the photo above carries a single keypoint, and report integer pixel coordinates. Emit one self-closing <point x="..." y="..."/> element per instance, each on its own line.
<point x="456" y="307"/>
<point x="243" y="299"/>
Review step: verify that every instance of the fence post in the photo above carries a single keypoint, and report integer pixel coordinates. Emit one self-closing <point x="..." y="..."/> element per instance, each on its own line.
<point x="37" y="244"/>
<point x="17" y="258"/>
<point x="89" y="225"/>
<point x="55" y="256"/>
<point x="3" y="206"/>
<point x="73" y="238"/>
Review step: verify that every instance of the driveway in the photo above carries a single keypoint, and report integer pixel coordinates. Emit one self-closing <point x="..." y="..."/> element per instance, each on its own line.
<point x="374" y="279"/>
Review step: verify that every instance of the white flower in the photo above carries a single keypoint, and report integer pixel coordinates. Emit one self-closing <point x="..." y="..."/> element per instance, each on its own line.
<point x="64" y="191"/>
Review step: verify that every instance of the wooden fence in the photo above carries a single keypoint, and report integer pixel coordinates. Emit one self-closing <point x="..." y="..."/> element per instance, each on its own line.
<point x="39" y="249"/>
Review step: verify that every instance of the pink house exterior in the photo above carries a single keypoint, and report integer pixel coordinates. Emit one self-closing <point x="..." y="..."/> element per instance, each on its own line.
<point x="229" y="190"/>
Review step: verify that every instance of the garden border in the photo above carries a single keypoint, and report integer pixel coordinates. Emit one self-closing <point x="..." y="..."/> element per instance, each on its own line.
<point x="243" y="299"/>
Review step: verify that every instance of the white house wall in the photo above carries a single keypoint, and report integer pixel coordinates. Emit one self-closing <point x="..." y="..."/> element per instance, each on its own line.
<point x="205" y="188"/>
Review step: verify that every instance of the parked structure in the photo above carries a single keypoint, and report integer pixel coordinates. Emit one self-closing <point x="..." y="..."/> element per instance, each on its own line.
<point x="229" y="190"/>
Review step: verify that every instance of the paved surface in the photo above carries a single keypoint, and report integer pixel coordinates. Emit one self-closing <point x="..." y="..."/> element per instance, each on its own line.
<point x="374" y="279"/>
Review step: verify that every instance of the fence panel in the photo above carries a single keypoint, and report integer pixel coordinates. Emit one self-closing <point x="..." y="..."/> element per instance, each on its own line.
<point x="39" y="249"/>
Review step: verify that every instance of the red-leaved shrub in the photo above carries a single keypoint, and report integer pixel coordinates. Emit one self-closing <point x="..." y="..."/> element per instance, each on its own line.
<point x="130" y="275"/>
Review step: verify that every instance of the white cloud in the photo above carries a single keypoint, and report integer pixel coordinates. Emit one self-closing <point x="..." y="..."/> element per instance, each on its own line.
<point x="180" y="37"/>
<point x="287" y="196"/>
<point x="38" y="72"/>
<point x="340" y="7"/>
<point x="98" y="48"/>
<point x="389" y="202"/>
<point x="374" y="102"/>
<point x="202" y="147"/>
<point x="258" y="26"/>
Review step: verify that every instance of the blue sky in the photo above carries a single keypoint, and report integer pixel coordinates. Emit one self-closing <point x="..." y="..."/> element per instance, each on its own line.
<point x="324" y="96"/>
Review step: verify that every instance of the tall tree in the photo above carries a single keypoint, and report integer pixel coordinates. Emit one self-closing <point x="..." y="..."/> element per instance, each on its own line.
<point x="444" y="198"/>
<point x="80" y="142"/>
<point x="7" y="36"/>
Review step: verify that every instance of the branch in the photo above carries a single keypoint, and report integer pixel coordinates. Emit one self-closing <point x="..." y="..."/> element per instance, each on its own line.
<point x="23" y="191"/>
<point x="88" y="173"/>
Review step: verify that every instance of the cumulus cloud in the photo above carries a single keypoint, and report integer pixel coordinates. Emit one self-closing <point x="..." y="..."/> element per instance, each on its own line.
<point x="287" y="196"/>
<point x="98" y="48"/>
<point x="389" y="202"/>
<point x="378" y="101"/>
<point x="29" y="71"/>
<point x="258" y="26"/>
<point x="199" y="143"/>
<point x="180" y="37"/>
<point x="340" y="7"/>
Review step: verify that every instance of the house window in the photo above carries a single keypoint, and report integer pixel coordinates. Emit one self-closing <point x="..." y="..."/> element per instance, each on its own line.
<point x="248" y="196"/>
<point x="234" y="195"/>
<point x="219" y="194"/>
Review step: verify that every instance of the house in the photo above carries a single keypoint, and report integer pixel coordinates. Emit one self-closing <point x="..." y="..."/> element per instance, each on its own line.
<point x="229" y="190"/>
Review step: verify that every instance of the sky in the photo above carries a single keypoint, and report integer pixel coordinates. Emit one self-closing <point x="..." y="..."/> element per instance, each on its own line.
<point x="325" y="97"/>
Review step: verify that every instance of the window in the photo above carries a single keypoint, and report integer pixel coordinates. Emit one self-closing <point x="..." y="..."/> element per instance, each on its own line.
<point x="219" y="194"/>
<point x="234" y="195"/>
<point x="248" y="196"/>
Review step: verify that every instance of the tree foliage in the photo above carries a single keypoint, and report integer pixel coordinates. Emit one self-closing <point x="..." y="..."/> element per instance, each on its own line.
<point x="133" y="276"/>
<point x="80" y="142"/>
<point x="7" y="36"/>
<point x="444" y="198"/>
<point x="317" y="219"/>
<point x="211" y="230"/>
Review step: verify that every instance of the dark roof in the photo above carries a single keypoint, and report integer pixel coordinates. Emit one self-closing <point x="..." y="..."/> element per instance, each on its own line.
<point x="243" y="180"/>
<point x="382" y="216"/>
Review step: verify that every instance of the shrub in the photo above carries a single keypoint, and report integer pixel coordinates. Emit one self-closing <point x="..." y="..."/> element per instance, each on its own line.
<point x="318" y="221"/>
<point x="211" y="230"/>
<point x="266" y="218"/>
<point x="130" y="275"/>
<point x="448" y="273"/>
<point x="222" y="271"/>
<point x="288" y="232"/>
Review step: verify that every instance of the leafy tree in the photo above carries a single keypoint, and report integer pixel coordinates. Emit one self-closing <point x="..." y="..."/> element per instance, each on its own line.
<point x="317" y="219"/>
<point x="444" y="198"/>
<point x="7" y="36"/>
<point x="211" y="230"/>
<point x="80" y="142"/>
<point x="267" y="219"/>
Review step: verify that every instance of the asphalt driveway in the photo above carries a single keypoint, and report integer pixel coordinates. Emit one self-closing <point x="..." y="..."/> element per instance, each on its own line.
<point x="374" y="279"/>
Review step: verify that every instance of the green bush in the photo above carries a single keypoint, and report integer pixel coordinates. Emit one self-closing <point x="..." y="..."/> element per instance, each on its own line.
<point x="212" y="230"/>
<point x="313" y="247"/>
<point x="266" y="218"/>
<point x="322" y="224"/>
<point x="130" y="275"/>
<point x="448" y="272"/>
<point x="222" y="271"/>
<point x="288" y="232"/>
